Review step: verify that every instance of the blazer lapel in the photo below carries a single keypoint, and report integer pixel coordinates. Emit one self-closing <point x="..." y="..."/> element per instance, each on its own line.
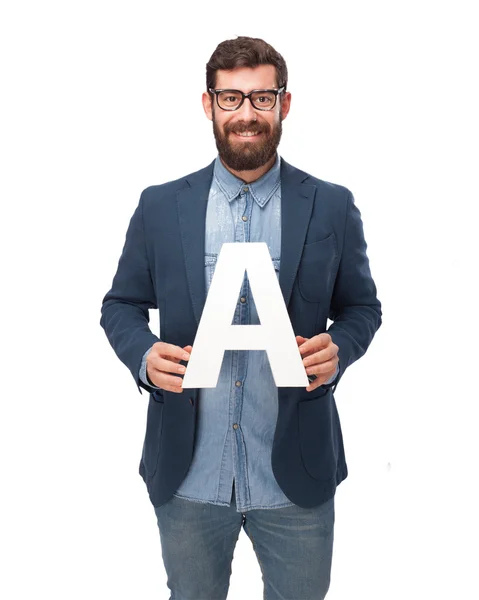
<point x="191" y="206"/>
<point x="297" y="200"/>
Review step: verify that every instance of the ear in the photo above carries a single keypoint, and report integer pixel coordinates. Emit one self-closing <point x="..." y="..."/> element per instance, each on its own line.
<point x="285" y="104"/>
<point x="207" y="105"/>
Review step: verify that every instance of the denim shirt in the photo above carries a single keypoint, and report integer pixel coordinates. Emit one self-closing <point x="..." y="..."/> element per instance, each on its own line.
<point x="237" y="419"/>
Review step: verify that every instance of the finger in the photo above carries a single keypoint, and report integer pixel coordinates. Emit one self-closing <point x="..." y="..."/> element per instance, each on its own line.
<point x="315" y="343"/>
<point x="307" y="354"/>
<point x="305" y="350"/>
<point x="325" y="369"/>
<point x="168" y="366"/>
<point x="300" y="339"/>
<point x="171" y="358"/>
<point x="177" y="360"/>
<point x="171" y="350"/>
<point x="160" y="363"/>
<point x="322" y="356"/>
<point x="166" y="381"/>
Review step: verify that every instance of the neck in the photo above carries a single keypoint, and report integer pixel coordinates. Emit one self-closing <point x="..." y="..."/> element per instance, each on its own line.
<point x="250" y="176"/>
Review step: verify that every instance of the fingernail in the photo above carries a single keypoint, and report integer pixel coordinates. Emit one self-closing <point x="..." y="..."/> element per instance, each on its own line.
<point x="182" y="369"/>
<point x="186" y="356"/>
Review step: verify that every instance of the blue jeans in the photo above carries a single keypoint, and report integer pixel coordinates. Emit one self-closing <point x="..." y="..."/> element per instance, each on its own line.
<point x="294" y="547"/>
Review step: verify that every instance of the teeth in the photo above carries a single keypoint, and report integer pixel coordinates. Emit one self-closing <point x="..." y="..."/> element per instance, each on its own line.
<point x="248" y="133"/>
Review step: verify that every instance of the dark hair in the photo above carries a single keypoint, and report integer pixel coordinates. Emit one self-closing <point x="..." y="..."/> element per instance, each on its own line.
<point x="245" y="52"/>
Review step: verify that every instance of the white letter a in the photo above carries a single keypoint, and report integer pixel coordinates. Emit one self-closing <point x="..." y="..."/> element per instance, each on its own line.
<point x="216" y="334"/>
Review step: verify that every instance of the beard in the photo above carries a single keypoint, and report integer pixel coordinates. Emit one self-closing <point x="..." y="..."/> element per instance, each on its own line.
<point x="247" y="156"/>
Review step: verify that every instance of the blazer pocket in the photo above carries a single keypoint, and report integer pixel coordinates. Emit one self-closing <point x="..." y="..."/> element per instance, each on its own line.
<point x="317" y="268"/>
<point x="151" y="445"/>
<point x="317" y="436"/>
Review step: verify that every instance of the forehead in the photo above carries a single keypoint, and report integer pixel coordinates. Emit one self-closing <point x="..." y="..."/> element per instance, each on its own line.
<point x="247" y="78"/>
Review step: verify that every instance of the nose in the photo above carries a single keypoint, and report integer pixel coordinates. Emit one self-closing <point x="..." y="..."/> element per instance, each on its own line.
<point x="246" y="111"/>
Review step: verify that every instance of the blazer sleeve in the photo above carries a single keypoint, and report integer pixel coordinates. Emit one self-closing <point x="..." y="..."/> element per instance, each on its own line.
<point x="124" y="311"/>
<point x="355" y="309"/>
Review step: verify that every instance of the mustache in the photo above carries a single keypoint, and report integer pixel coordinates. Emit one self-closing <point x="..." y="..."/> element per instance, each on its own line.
<point x="242" y="126"/>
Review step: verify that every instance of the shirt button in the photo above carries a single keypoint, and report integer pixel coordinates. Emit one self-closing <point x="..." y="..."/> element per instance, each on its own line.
<point x="246" y="189"/>
<point x="238" y="383"/>
<point x="235" y="426"/>
<point x="242" y="299"/>
<point x="244" y="217"/>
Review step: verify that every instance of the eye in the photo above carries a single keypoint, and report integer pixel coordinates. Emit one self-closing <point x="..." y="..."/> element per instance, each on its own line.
<point x="265" y="99"/>
<point x="229" y="98"/>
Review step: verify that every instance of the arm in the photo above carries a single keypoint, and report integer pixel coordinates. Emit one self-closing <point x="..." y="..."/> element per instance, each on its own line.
<point x="124" y="311"/>
<point x="355" y="309"/>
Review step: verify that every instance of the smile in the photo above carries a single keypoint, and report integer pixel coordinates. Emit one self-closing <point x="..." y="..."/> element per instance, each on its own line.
<point x="248" y="134"/>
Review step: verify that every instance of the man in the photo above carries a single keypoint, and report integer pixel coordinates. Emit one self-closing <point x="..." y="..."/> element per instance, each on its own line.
<point x="245" y="453"/>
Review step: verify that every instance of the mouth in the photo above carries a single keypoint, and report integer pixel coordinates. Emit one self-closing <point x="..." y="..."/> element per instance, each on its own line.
<point x="248" y="135"/>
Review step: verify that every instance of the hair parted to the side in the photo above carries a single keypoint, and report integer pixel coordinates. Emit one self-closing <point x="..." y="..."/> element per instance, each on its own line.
<point x="245" y="52"/>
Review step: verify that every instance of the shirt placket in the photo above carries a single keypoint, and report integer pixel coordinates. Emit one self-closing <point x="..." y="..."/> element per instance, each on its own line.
<point x="240" y="357"/>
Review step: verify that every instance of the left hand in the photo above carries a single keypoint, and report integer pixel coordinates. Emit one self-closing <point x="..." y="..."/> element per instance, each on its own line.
<point x="320" y="356"/>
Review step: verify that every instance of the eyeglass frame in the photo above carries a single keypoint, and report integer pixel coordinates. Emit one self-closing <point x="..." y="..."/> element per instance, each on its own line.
<point x="244" y="96"/>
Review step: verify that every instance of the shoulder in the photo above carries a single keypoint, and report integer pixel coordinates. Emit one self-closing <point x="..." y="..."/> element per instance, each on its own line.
<point x="328" y="190"/>
<point x="168" y="189"/>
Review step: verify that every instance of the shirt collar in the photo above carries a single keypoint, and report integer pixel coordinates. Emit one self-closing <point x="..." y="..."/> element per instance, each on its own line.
<point x="262" y="189"/>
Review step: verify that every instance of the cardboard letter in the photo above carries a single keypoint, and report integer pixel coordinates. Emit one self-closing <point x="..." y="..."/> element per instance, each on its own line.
<point x="216" y="334"/>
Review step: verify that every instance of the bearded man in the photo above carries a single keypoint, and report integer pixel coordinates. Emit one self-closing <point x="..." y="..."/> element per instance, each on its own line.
<point x="245" y="454"/>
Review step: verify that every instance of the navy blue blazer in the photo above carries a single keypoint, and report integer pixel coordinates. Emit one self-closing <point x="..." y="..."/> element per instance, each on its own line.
<point x="324" y="273"/>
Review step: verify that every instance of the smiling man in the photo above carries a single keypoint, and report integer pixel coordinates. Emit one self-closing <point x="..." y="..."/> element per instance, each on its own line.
<point x="244" y="454"/>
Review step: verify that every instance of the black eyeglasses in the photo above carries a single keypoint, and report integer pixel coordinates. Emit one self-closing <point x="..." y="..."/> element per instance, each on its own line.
<point x="233" y="99"/>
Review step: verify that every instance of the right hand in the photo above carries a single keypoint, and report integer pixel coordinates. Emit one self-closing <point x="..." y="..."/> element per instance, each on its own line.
<point x="163" y="359"/>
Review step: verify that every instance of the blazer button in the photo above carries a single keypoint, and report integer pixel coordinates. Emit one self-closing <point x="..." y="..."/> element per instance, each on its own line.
<point x="191" y="401"/>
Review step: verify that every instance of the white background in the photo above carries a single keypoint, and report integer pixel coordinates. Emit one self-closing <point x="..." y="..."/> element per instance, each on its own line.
<point x="101" y="99"/>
